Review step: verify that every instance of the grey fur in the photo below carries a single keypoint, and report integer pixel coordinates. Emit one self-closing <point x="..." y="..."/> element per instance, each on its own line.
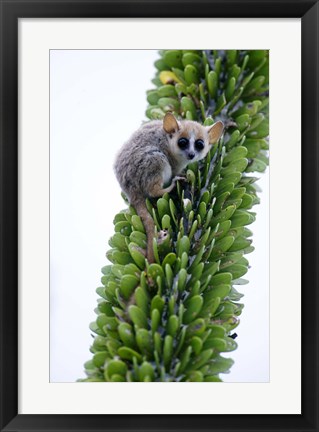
<point x="149" y="163"/>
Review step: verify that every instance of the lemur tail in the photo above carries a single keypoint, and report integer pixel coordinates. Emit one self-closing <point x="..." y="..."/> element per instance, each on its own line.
<point x="149" y="226"/>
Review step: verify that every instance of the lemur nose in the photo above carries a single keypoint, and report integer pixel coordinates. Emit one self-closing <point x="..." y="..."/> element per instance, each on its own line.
<point x="191" y="155"/>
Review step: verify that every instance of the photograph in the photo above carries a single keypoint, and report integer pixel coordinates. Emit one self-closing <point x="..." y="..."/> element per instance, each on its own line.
<point x="159" y="235"/>
<point x="159" y="215"/>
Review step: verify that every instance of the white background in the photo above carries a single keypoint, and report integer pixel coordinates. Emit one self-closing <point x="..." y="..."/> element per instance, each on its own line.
<point x="36" y="394"/>
<point x="97" y="99"/>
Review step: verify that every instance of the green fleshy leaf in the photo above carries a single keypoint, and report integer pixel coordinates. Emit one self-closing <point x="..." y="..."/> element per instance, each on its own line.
<point x="193" y="308"/>
<point x="137" y="316"/>
<point x="115" y="367"/>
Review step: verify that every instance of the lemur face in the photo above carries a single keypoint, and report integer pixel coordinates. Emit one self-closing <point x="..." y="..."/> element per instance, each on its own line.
<point x="191" y="144"/>
<point x="189" y="141"/>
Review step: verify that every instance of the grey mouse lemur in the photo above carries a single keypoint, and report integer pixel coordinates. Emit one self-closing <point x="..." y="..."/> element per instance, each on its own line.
<point x="150" y="162"/>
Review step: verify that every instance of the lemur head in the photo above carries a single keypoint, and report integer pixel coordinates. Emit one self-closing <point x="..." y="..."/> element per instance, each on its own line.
<point x="188" y="140"/>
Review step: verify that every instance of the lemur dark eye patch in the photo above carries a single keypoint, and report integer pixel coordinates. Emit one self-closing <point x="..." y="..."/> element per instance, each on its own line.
<point x="183" y="143"/>
<point x="199" y="144"/>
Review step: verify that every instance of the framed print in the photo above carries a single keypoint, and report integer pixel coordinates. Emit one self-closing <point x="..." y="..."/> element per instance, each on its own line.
<point x="193" y="90"/>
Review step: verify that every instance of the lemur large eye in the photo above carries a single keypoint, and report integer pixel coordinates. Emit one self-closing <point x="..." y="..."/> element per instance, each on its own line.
<point x="199" y="144"/>
<point x="182" y="143"/>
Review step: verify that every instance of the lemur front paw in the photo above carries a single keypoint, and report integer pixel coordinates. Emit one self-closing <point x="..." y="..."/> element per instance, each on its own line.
<point x="181" y="178"/>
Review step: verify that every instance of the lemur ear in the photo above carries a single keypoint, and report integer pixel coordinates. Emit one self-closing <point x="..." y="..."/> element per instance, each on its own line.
<point x="215" y="132"/>
<point x="170" y="124"/>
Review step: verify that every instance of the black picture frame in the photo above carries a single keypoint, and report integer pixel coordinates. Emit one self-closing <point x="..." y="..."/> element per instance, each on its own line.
<point x="11" y="11"/>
